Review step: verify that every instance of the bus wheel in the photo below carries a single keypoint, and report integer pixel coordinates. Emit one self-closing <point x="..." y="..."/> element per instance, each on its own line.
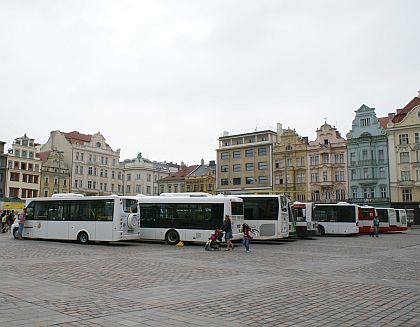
<point x="83" y="238"/>
<point x="16" y="233"/>
<point x="172" y="237"/>
<point x="321" y="231"/>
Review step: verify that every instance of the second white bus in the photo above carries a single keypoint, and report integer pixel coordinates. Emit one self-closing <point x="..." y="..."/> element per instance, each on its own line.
<point x="340" y="218"/>
<point x="303" y="216"/>
<point x="186" y="217"/>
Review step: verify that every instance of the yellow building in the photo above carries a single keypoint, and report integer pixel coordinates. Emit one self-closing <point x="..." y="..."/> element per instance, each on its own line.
<point x="244" y="162"/>
<point x="55" y="175"/>
<point x="290" y="164"/>
<point x="203" y="179"/>
<point x="404" y="156"/>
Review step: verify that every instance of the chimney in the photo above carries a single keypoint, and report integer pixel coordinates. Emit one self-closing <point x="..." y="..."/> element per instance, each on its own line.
<point x="225" y="133"/>
<point x="202" y="161"/>
<point x="212" y="163"/>
<point x="418" y="95"/>
<point x="391" y="115"/>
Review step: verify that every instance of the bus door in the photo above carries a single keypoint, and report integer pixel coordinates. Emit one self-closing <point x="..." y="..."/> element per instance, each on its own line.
<point x="393" y="221"/>
<point x="40" y="222"/>
<point x="57" y="216"/>
<point x="149" y="218"/>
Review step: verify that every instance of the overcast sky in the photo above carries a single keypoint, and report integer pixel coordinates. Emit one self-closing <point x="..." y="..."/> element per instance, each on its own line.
<point x="166" y="78"/>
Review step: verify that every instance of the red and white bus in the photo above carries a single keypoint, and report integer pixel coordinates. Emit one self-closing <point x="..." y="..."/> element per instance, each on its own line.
<point x="305" y="225"/>
<point x="392" y="220"/>
<point x="366" y="216"/>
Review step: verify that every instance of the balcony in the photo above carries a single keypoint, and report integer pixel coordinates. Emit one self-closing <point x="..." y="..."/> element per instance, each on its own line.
<point x="368" y="201"/>
<point x="408" y="183"/>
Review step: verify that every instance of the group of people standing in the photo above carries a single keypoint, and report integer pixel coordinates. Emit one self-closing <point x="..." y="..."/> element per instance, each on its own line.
<point x="7" y="218"/>
<point x="227" y="228"/>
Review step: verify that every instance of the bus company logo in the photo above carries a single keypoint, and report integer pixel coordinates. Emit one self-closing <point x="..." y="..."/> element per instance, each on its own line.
<point x="39" y="225"/>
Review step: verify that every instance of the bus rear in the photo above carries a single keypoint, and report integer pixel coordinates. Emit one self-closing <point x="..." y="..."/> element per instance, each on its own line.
<point x="366" y="216"/>
<point x="305" y="225"/>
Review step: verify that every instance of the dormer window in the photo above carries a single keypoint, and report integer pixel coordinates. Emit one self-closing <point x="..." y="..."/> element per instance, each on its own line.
<point x="98" y="144"/>
<point x="364" y="122"/>
<point x="325" y="142"/>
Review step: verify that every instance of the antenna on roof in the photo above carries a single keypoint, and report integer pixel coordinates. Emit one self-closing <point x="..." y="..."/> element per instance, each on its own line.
<point x="256" y="126"/>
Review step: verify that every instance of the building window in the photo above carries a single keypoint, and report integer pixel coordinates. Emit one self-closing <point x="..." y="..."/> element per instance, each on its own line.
<point x="90" y="170"/>
<point x="129" y="177"/>
<point x="315" y="177"/>
<point x="340" y="195"/>
<point x="381" y="155"/>
<point x="148" y="189"/>
<point x="364" y="122"/>
<point x="89" y="186"/>
<point x="325" y="176"/>
<point x="277" y="180"/>
<point x="224" y="181"/>
<point x="249" y="153"/>
<point x="326" y="158"/>
<point x="224" y="155"/>
<point x="236" y="168"/>
<point x="249" y="166"/>
<point x="224" y="168"/>
<point x="300" y="178"/>
<point x="405" y="176"/>
<point x="381" y="172"/>
<point x="301" y="197"/>
<point x="300" y="161"/>
<point x="262" y="165"/>
<point x="403" y="138"/>
<point x="314" y="160"/>
<point x="406" y="194"/>
<point x="128" y="189"/>
<point x="352" y="158"/>
<point x="289" y="162"/>
<point x="365" y="173"/>
<point x="236" y="154"/>
<point x="316" y="196"/>
<point x="237" y="181"/>
<point x="249" y="180"/>
<point x="138" y="189"/>
<point x="383" y="192"/>
<point x="354" y="193"/>
<point x="262" y="151"/>
<point x="417" y="138"/>
<point x="263" y="179"/>
<point x="404" y="157"/>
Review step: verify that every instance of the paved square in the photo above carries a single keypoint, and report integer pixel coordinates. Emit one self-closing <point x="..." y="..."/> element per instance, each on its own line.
<point x="330" y="281"/>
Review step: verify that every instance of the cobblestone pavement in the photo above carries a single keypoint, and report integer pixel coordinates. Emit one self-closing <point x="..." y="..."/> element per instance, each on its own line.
<point x="330" y="281"/>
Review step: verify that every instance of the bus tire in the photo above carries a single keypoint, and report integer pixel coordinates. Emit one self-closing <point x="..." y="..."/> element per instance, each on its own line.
<point x="321" y="231"/>
<point x="83" y="238"/>
<point x="172" y="237"/>
<point x="16" y="233"/>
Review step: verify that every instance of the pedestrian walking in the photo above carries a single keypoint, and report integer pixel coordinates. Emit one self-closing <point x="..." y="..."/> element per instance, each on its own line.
<point x="22" y="219"/>
<point x="376" y="226"/>
<point x="3" y="222"/>
<point x="246" y="230"/>
<point x="227" y="228"/>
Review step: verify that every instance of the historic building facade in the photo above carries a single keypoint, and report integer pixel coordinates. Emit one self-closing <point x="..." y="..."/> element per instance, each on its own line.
<point x="202" y="179"/>
<point x="93" y="164"/>
<point x="141" y="176"/>
<point x="368" y="165"/>
<point x="290" y="164"/>
<point x="55" y="175"/>
<point x="175" y="182"/>
<point x="404" y="156"/>
<point x="23" y="169"/>
<point x="327" y="166"/>
<point x="244" y="162"/>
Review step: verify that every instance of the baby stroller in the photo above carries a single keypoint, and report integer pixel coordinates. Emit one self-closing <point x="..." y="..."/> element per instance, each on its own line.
<point x="214" y="241"/>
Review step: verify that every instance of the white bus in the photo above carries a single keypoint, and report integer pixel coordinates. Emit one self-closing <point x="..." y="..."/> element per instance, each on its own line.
<point x="392" y="220"/>
<point x="187" y="217"/>
<point x="267" y="214"/>
<point x="74" y="217"/>
<point x="303" y="217"/>
<point x="340" y="218"/>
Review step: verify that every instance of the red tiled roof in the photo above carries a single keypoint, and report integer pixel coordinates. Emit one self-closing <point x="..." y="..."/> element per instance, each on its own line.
<point x="401" y="113"/>
<point x="383" y="121"/>
<point x="76" y="137"/>
<point x="180" y="175"/>
<point x="44" y="155"/>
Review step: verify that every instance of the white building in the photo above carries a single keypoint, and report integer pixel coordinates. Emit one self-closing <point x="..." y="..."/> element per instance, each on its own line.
<point x="23" y="169"/>
<point x="93" y="164"/>
<point x="141" y="175"/>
